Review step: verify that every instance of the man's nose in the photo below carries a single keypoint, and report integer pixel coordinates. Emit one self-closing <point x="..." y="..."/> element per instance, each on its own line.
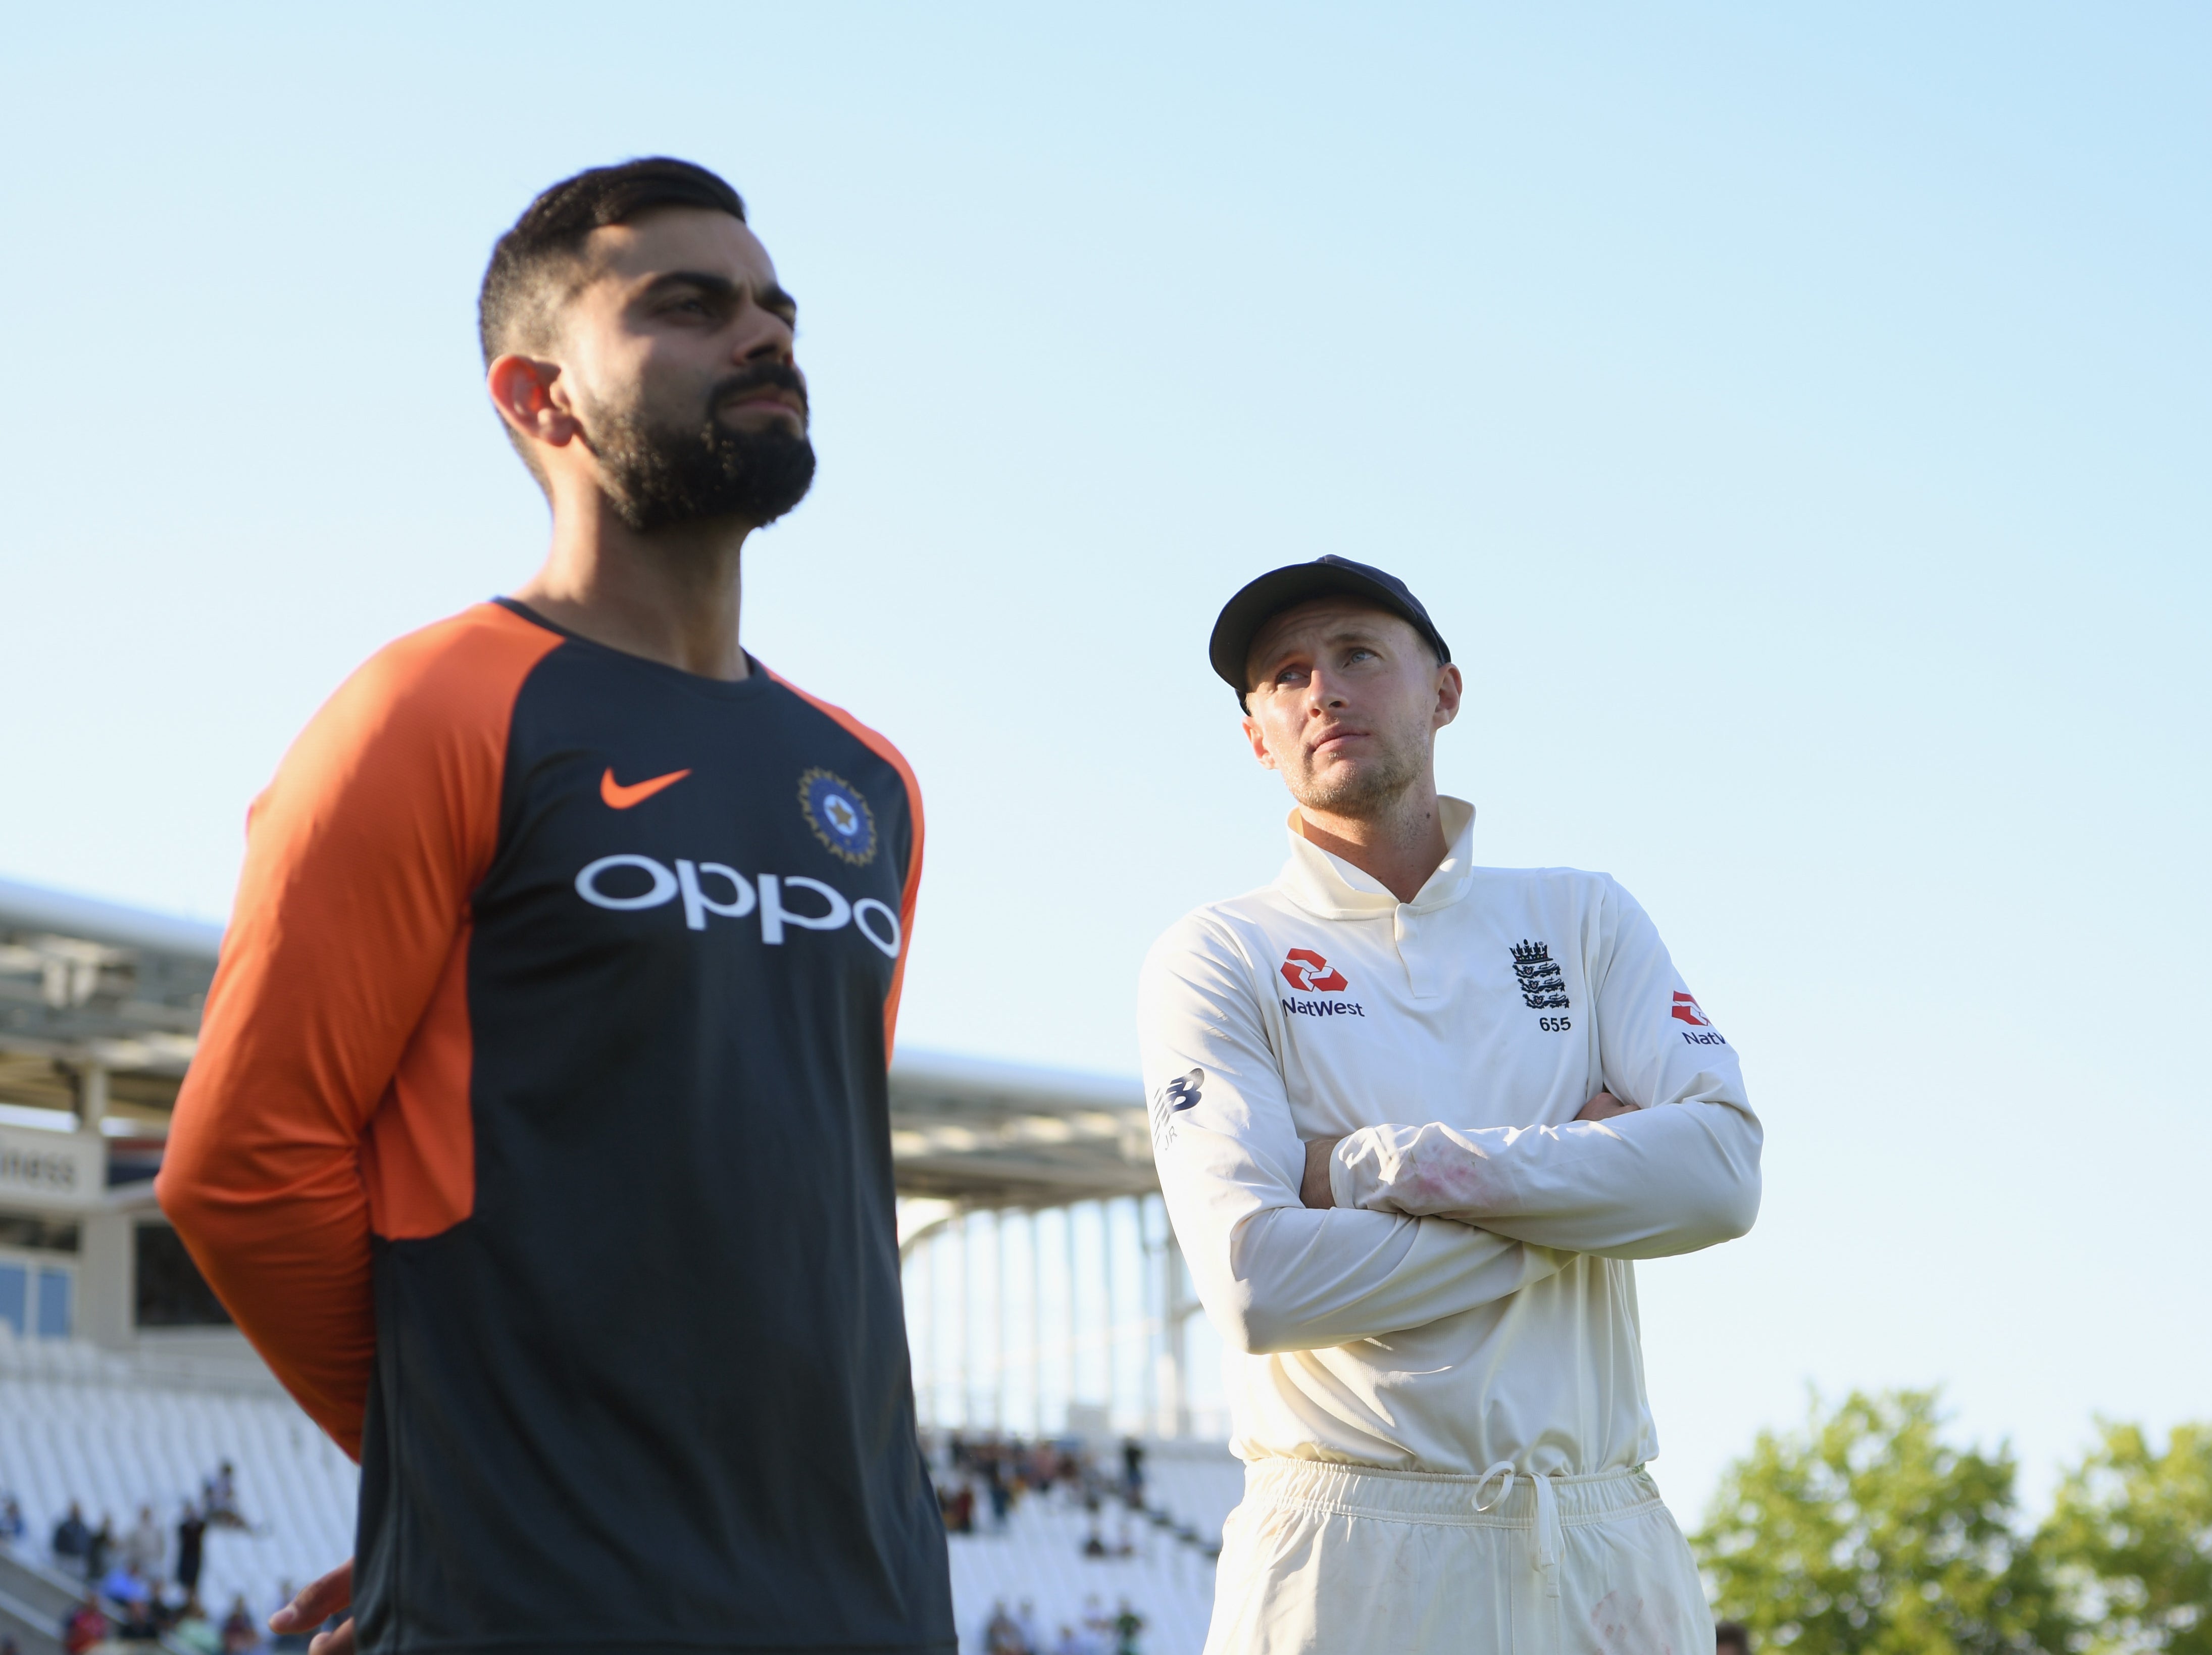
<point x="1321" y="693"/>
<point x="766" y="337"/>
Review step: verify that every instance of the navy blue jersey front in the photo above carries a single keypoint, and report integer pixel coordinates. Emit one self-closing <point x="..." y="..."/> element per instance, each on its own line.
<point x="540" y="1137"/>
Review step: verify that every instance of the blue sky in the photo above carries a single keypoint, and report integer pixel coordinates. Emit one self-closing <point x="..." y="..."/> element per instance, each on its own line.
<point x="1796" y="420"/>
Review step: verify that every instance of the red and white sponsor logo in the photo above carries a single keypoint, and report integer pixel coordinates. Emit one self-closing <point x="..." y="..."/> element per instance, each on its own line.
<point x="1309" y="973"/>
<point x="1687" y="1010"/>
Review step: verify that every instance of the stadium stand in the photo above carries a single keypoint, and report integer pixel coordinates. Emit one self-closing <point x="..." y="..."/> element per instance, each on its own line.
<point x="1158" y="1559"/>
<point x="82" y="1425"/>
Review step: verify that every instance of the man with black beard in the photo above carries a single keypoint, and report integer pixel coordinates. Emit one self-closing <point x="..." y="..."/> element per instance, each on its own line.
<point x="538" y="1134"/>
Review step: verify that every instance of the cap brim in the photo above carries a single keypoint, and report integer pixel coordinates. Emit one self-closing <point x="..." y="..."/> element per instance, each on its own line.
<point x="1280" y="589"/>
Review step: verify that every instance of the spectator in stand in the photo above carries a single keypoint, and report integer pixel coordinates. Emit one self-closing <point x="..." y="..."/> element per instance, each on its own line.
<point x="1127" y="1625"/>
<point x="191" y="1536"/>
<point x="240" y="1635"/>
<point x="1032" y="1629"/>
<point x="959" y="1508"/>
<point x="85" y="1627"/>
<point x="1731" y="1637"/>
<point x="195" y="1631"/>
<point x="72" y="1539"/>
<point x="99" y="1548"/>
<point x="11" y="1522"/>
<point x="121" y="1583"/>
<point x="1000" y="1635"/>
<point x="145" y="1546"/>
<point x="1097" y="1625"/>
<point x="1133" y="1473"/>
<point x="219" y="1497"/>
<point x="138" y="1624"/>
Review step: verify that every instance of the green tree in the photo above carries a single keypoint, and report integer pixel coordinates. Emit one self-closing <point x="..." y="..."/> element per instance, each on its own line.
<point x="1866" y="1534"/>
<point x="2131" y="1531"/>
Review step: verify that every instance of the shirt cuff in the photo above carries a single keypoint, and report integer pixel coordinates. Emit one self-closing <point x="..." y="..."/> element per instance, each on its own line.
<point x="1343" y="1182"/>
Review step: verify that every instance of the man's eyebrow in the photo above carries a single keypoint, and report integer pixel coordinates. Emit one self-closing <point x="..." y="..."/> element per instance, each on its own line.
<point x="718" y="286"/>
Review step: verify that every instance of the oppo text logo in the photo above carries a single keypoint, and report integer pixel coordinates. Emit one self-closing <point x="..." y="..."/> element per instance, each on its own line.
<point x="711" y="888"/>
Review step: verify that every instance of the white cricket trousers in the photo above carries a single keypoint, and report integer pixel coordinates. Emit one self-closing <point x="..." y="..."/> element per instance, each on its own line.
<point x="1336" y="1559"/>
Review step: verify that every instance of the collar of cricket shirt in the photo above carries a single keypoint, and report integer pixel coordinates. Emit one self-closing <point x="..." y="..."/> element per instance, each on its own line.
<point x="1330" y="888"/>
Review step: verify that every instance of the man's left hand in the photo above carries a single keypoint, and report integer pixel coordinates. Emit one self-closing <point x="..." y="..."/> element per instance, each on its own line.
<point x="1313" y="1190"/>
<point x="1604" y="1107"/>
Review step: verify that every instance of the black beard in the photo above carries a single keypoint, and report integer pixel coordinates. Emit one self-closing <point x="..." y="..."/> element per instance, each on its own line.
<point x="658" y="477"/>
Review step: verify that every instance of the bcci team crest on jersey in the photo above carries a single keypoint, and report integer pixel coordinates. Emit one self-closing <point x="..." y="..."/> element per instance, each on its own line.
<point x="839" y="815"/>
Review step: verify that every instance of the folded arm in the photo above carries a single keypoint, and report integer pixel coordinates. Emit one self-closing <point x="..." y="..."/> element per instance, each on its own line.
<point x="1644" y="1184"/>
<point x="350" y="919"/>
<point x="1676" y="1171"/>
<point x="1274" y="1275"/>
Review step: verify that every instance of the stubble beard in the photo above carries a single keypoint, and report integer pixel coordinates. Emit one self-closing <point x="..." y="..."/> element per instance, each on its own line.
<point x="1358" y="791"/>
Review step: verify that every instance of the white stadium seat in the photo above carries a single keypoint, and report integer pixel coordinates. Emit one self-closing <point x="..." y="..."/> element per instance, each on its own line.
<point x="77" y="1424"/>
<point x="1038" y="1556"/>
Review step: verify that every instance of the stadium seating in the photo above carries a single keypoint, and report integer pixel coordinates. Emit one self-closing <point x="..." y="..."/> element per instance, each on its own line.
<point x="1168" y="1578"/>
<point x="79" y="1424"/>
<point x="113" y="1434"/>
<point x="1197" y="1484"/>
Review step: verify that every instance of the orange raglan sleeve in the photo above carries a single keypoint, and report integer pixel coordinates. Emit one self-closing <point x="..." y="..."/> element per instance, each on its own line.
<point x="910" y="893"/>
<point x="351" y="919"/>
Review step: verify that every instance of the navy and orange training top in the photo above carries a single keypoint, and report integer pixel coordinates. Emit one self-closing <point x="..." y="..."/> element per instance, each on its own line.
<point x="539" y="1139"/>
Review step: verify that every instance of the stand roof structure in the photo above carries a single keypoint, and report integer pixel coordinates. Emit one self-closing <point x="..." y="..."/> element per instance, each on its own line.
<point x="100" y="1010"/>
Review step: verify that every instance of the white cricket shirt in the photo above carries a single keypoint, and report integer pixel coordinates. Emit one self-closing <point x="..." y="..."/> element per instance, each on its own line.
<point x="1451" y="1040"/>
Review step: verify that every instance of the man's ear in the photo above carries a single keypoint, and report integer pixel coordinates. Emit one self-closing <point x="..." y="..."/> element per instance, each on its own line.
<point x="523" y="390"/>
<point x="1450" y="687"/>
<point x="1252" y="734"/>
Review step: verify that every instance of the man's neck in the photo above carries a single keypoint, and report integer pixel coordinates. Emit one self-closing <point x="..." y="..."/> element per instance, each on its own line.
<point x="671" y="596"/>
<point x="1399" y="845"/>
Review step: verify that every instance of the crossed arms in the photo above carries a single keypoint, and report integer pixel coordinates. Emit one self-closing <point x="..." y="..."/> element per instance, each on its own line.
<point x="1423" y="1222"/>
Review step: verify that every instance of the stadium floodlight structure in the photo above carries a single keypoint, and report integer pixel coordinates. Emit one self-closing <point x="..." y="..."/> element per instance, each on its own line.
<point x="100" y="1011"/>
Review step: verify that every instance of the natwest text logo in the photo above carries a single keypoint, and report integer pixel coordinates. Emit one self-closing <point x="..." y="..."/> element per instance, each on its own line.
<point x="1309" y="973"/>
<point x="1686" y="1010"/>
<point x="626" y="882"/>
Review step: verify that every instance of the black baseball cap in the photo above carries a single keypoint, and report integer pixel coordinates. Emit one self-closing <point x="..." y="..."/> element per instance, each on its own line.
<point x="1280" y="589"/>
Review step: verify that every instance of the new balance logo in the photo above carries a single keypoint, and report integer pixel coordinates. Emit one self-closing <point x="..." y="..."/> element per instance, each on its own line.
<point x="1183" y="1093"/>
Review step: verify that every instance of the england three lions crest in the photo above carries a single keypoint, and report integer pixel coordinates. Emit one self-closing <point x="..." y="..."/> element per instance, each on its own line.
<point x="1542" y="987"/>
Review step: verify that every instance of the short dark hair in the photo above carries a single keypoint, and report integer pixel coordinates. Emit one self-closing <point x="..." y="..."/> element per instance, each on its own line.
<point x="1731" y="1634"/>
<point x="516" y="304"/>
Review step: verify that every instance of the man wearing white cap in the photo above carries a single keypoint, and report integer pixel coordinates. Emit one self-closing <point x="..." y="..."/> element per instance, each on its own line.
<point x="1414" y="1118"/>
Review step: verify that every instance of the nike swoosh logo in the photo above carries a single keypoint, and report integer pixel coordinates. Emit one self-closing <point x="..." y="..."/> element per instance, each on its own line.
<point x="619" y="797"/>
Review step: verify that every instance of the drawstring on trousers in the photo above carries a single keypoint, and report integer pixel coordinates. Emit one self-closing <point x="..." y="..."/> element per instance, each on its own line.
<point x="1547" y="1539"/>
